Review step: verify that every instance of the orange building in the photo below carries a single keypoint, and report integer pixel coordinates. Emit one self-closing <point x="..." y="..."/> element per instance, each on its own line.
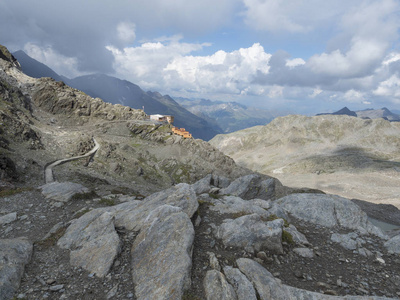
<point x="182" y="132"/>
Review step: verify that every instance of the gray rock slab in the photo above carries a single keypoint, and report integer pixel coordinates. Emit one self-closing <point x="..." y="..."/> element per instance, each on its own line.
<point x="14" y="255"/>
<point x="131" y="216"/>
<point x="251" y="233"/>
<point x="242" y="286"/>
<point x="93" y="242"/>
<point x="329" y="211"/>
<point x="8" y="218"/>
<point x="161" y="255"/>
<point x="217" y="287"/>
<point x="250" y="187"/>
<point x="62" y="191"/>
<point x="203" y="185"/>
<point x="269" y="288"/>
<point x="393" y="245"/>
<point x="234" y="205"/>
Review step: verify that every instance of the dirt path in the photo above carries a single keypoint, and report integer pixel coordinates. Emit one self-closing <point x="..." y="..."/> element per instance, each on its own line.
<point x="49" y="169"/>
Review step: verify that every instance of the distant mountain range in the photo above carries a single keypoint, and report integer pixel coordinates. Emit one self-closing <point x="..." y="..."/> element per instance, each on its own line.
<point x="229" y="116"/>
<point x="368" y="113"/>
<point x="117" y="91"/>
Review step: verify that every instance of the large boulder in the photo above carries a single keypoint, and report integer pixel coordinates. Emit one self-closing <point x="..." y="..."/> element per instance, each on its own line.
<point x="328" y="211"/>
<point x="252" y="186"/>
<point x="131" y="216"/>
<point x="251" y="233"/>
<point x="236" y="205"/>
<point x="93" y="242"/>
<point x="393" y="245"/>
<point x="14" y="255"/>
<point x="161" y="255"/>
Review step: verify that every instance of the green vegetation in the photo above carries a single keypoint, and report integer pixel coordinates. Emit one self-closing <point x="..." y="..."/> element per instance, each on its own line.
<point x="81" y="213"/>
<point x="287" y="237"/>
<point x="275" y="217"/>
<point x="10" y="192"/>
<point x="239" y="214"/>
<point x="189" y="296"/>
<point x="53" y="238"/>
<point x="203" y="202"/>
<point x="214" y="196"/>
<point x="107" y="201"/>
<point x="84" y="196"/>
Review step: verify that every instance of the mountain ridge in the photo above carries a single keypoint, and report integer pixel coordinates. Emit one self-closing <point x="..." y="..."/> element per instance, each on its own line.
<point x="118" y="91"/>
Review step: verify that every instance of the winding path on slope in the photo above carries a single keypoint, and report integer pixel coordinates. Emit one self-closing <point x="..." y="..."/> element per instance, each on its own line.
<point x="48" y="171"/>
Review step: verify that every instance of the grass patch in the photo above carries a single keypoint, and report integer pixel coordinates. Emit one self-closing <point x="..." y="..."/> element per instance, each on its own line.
<point x="214" y="196"/>
<point x="189" y="296"/>
<point x="287" y="237"/>
<point x="10" y="192"/>
<point x="107" y="201"/>
<point x="203" y="202"/>
<point x="239" y="214"/>
<point x="80" y="213"/>
<point x="275" y="217"/>
<point x="84" y="196"/>
<point x="53" y="238"/>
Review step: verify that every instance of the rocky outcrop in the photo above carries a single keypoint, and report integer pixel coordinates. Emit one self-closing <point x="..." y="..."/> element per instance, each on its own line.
<point x="251" y="233"/>
<point x="62" y="191"/>
<point x="161" y="254"/>
<point x="252" y="186"/>
<point x="269" y="288"/>
<point x="14" y="255"/>
<point x="328" y="211"/>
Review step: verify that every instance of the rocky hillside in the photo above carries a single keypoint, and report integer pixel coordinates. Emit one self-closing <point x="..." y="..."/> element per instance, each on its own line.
<point x="338" y="154"/>
<point x="135" y="212"/>
<point x="117" y="91"/>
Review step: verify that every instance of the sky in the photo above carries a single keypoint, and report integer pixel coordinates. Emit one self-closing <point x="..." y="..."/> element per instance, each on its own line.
<point x="303" y="56"/>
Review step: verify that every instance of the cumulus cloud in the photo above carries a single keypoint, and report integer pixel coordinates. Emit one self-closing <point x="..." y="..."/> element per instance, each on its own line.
<point x="170" y="64"/>
<point x="67" y="66"/>
<point x="126" y="32"/>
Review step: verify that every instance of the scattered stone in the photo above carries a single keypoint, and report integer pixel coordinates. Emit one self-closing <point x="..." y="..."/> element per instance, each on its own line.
<point x="214" y="264"/>
<point x="304" y="252"/>
<point x="9" y="218"/>
<point x="56" y="288"/>
<point x="113" y="292"/>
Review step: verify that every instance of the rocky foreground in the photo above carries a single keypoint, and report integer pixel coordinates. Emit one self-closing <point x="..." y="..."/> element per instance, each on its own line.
<point x="214" y="239"/>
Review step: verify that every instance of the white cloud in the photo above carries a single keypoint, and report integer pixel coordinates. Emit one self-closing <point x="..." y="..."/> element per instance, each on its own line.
<point x="371" y="27"/>
<point x="126" y="32"/>
<point x="354" y="96"/>
<point x="315" y="93"/>
<point x="389" y="87"/>
<point x="295" y="16"/>
<point x="391" y="57"/>
<point x="275" y="91"/>
<point x="61" y="64"/>
<point x="292" y="63"/>
<point x="170" y="65"/>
